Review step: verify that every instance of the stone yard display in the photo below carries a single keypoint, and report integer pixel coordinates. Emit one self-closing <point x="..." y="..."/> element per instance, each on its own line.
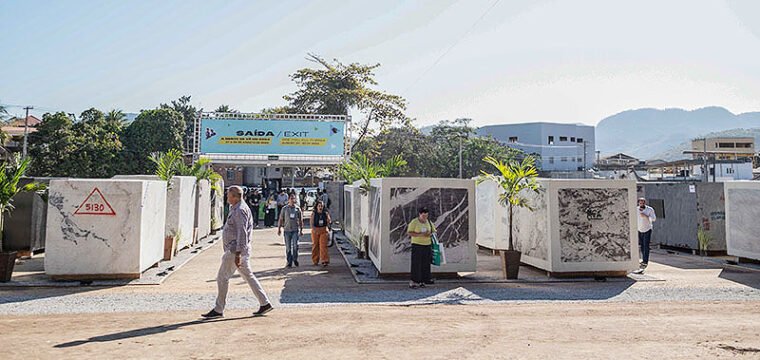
<point x="682" y="208"/>
<point x="335" y="195"/>
<point x="104" y="228"/>
<point x="743" y="219"/>
<point x="394" y="202"/>
<point x="577" y="226"/>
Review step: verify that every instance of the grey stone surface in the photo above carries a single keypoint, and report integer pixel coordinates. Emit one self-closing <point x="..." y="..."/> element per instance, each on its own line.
<point x="530" y="228"/>
<point x="743" y="220"/>
<point x="375" y="227"/>
<point x="594" y="225"/>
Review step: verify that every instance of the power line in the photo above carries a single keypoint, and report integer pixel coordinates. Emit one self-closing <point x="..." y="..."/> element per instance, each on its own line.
<point x="422" y="75"/>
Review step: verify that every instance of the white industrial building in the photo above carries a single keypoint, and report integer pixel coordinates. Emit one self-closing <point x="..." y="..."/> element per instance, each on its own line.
<point x="562" y="147"/>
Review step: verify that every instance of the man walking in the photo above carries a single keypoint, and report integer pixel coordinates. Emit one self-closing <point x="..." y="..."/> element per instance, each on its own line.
<point x="646" y="218"/>
<point x="236" y="239"/>
<point x="291" y="218"/>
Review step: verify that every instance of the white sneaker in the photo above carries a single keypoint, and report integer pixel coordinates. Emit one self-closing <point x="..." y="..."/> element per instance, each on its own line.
<point x="638" y="272"/>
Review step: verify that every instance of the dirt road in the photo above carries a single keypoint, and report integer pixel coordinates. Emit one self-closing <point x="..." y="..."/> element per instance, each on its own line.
<point x="516" y="331"/>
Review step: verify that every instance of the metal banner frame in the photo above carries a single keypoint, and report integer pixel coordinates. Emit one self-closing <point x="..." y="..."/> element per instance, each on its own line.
<point x="273" y="159"/>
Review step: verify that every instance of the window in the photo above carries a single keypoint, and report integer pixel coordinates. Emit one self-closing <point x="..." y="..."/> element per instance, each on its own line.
<point x="551" y="140"/>
<point x="744" y="145"/>
<point x="579" y="140"/>
<point x="725" y="145"/>
<point x="563" y="138"/>
<point x="572" y="139"/>
<point x="230" y="174"/>
<point x="730" y="170"/>
<point x="564" y="159"/>
<point x="551" y="159"/>
<point x="513" y="139"/>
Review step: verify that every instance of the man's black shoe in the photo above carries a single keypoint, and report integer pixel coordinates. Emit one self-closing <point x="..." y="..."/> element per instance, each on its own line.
<point x="212" y="314"/>
<point x="430" y="282"/>
<point x="263" y="310"/>
<point x="296" y="263"/>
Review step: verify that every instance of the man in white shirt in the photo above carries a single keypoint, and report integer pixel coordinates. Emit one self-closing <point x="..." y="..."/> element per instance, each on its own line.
<point x="645" y="219"/>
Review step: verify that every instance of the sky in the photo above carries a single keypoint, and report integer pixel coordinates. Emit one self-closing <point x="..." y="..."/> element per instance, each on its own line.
<point x="496" y="62"/>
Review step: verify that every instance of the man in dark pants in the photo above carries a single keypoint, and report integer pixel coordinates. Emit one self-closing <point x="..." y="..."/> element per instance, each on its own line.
<point x="645" y="219"/>
<point x="420" y="230"/>
<point x="254" y="199"/>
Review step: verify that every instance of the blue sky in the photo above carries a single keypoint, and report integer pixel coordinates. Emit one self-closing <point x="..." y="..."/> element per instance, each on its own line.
<point x="515" y="61"/>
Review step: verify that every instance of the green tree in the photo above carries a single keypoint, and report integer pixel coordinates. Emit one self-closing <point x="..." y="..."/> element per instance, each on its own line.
<point x="407" y="142"/>
<point x="158" y="130"/>
<point x="51" y="146"/>
<point x="98" y="146"/>
<point x="225" y="109"/>
<point x="337" y="88"/>
<point x="189" y="114"/>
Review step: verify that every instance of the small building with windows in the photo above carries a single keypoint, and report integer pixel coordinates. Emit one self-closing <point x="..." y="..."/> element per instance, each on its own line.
<point x="724" y="148"/>
<point x="561" y="147"/>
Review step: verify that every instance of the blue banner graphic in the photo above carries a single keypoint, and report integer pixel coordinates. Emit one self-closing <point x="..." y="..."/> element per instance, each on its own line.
<point x="272" y="137"/>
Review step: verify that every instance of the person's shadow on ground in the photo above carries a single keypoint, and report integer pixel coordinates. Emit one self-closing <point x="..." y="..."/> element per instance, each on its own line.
<point x="143" y="332"/>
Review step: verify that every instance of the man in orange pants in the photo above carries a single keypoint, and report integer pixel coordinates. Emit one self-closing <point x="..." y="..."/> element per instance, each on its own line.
<point x="320" y="226"/>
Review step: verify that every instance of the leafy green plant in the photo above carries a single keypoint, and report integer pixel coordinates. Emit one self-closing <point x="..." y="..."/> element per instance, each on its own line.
<point x="11" y="172"/>
<point x="167" y="164"/>
<point x="359" y="167"/>
<point x="202" y="170"/>
<point x="512" y="178"/>
<point x="703" y="239"/>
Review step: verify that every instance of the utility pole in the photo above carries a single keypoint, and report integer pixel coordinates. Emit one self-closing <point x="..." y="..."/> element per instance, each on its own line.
<point x="704" y="155"/>
<point x="26" y="128"/>
<point x="584" y="155"/>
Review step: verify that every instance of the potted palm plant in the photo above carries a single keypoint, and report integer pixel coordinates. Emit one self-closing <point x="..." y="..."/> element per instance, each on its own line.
<point x="11" y="172"/>
<point x="512" y="179"/>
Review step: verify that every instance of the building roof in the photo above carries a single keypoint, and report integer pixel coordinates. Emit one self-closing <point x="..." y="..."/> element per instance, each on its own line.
<point x="536" y="123"/>
<point x="33" y="121"/>
<point x="619" y="156"/>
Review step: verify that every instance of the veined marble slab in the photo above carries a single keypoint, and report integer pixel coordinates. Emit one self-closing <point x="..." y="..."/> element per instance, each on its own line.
<point x="180" y="206"/>
<point x="394" y="203"/>
<point x="742" y="214"/>
<point x="575" y="226"/>
<point x="104" y="227"/>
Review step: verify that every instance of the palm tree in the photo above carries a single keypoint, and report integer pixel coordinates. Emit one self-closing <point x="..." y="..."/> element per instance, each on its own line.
<point x="167" y="164"/>
<point x="513" y="177"/>
<point x="225" y="109"/>
<point x="359" y="167"/>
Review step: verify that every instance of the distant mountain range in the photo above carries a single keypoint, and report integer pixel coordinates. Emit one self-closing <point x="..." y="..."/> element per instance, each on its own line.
<point x="652" y="133"/>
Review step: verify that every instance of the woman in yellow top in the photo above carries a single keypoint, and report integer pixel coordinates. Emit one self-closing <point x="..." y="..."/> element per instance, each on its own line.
<point x="420" y="230"/>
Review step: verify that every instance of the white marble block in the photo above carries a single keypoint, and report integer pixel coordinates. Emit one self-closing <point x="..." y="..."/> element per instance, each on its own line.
<point x="203" y="209"/>
<point x="742" y="214"/>
<point x="217" y="211"/>
<point x="180" y="206"/>
<point x="348" y="215"/>
<point x="577" y="226"/>
<point x="104" y="228"/>
<point x="394" y="202"/>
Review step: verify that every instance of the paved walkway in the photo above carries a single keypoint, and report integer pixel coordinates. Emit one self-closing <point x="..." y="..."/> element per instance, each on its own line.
<point x="193" y="286"/>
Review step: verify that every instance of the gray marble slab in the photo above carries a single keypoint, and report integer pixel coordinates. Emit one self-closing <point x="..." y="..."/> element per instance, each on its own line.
<point x="594" y="225"/>
<point x="744" y="222"/>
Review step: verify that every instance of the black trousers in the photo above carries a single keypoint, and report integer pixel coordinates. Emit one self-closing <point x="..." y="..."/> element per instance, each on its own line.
<point x="255" y="214"/>
<point x="421" y="257"/>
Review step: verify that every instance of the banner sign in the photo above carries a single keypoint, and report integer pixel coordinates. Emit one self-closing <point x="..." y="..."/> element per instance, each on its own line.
<point x="271" y="137"/>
